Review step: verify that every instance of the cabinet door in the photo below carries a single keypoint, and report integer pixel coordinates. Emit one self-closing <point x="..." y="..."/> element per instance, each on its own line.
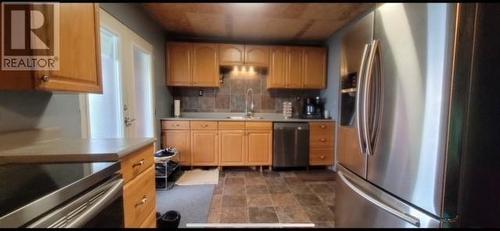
<point x="314" y="68"/>
<point x="205" y="65"/>
<point x="79" y="51"/>
<point x="257" y="55"/>
<point x="179" y="64"/>
<point x="180" y="139"/>
<point x="294" y="67"/>
<point x="277" y="68"/>
<point x="232" y="147"/>
<point x="204" y="147"/>
<point x="231" y="54"/>
<point x="259" y="147"/>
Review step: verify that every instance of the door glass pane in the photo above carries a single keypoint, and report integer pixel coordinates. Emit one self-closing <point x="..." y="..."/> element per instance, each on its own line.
<point x="143" y="94"/>
<point x="105" y="110"/>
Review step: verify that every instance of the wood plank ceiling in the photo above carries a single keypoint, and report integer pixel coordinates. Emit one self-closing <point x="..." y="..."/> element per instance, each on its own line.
<point x="278" y="22"/>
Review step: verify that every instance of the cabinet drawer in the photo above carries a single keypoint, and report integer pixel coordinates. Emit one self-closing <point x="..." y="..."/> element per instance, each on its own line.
<point x="321" y="156"/>
<point x="321" y="140"/>
<point x="259" y="125"/>
<point x="135" y="163"/>
<point x="150" y="221"/>
<point x="231" y="125"/>
<point x="321" y="134"/>
<point x="208" y="125"/>
<point x="321" y="126"/>
<point x="175" y="125"/>
<point x="139" y="198"/>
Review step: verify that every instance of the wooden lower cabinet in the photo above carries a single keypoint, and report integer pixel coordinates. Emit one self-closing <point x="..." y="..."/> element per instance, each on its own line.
<point x="220" y="143"/>
<point x="321" y="156"/>
<point x="232" y="147"/>
<point x="181" y="140"/>
<point x="204" y="148"/>
<point x="321" y="143"/>
<point x="260" y="147"/>
<point x="139" y="193"/>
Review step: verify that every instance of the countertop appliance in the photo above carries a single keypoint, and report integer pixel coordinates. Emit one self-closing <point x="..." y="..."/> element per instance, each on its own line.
<point x="313" y="108"/>
<point x="405" y="87"/>
<point x="62" y="195"/>
<point x="291" y="145"/>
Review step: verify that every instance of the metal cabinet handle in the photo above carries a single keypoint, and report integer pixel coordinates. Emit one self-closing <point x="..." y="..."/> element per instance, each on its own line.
<point x="322" y="157"/>
<point x="142" y="202"/>
<point x="44" y="78"/>
<point x="177" y="125"/>
<point x="322" y="126"/>
<point x="140" y="163"/>
<point x="322" y="140"/>
<point x="204" y="125"/>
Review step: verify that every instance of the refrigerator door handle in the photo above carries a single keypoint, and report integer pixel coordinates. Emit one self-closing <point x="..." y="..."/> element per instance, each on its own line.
<point x="408" y="218"/>
<point x="379" y="88"/>
<point x="369" y="119"/>
<point x="361" y="76"/>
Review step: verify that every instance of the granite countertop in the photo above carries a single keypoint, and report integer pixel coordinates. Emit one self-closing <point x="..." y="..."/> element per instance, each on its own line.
<point x="272" y="117"/>
<point x="51" y="150"/>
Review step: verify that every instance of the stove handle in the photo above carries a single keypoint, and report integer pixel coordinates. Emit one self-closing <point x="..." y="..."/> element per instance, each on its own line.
<point x="78" y="212"/>
<point x="115" y="189"/>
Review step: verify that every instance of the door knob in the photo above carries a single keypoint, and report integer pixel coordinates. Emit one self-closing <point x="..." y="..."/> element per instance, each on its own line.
<point x="128" y="121"/>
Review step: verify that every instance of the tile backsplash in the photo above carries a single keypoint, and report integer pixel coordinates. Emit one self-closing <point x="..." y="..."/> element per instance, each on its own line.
<point x="230" y="96"/>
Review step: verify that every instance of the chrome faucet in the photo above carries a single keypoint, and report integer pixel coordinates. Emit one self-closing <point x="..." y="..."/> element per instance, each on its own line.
<point x="249" y="113"/>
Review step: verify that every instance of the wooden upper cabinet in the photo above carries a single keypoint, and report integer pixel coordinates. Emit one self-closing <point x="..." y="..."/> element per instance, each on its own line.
<point x="179" y="64"/>
<point x="277" y="65"/>
<point x="79" y="55"/>
<point x="294" y="67"/>
<point x="257" y="55"/>
<point x="314" y="68"/>
<point x="231" y="54"/>
<point x="205" y="65"/>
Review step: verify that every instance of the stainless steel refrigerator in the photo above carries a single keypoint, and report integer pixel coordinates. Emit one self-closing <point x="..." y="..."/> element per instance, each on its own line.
<point x="396" y="166"/>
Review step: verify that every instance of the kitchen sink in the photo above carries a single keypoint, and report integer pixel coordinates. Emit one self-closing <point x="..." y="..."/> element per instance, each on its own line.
<point x="244" y="117"/>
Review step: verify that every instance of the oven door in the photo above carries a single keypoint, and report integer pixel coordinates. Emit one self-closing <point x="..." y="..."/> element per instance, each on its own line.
<point x="101" y="206"/>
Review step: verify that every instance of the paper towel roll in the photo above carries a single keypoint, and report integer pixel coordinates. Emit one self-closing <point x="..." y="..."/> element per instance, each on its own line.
<point x="177" y="108"/>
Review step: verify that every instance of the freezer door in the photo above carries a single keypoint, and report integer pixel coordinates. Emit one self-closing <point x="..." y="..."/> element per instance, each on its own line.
<point x="359" y="204"/>
<point x="355" y="48"/>
<point x="415" y="42"/>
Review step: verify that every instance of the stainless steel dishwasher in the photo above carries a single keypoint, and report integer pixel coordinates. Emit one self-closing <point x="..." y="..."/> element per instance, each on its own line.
<point x="291" y="145"/>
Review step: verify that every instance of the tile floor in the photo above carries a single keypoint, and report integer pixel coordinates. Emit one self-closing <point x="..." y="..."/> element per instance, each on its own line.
<point x="247" y="196"/>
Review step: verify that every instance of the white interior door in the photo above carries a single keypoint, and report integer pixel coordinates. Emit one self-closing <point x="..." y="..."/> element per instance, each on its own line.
<point x="126" y="107"/>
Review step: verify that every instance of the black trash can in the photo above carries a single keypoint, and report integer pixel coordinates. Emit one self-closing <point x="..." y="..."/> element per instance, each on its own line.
<point x="169" y="220"/>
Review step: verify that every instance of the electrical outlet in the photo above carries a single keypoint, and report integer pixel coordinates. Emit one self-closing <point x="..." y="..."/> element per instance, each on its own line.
<point x="200" y="93"/>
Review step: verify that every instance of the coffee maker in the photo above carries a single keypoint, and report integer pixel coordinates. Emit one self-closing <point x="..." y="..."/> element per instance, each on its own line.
<point x="313" y="108"/>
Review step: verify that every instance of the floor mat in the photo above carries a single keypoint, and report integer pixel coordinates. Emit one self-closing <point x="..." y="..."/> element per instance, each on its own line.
<point x="191" y="201"/>
<point x="199" y="177"/>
